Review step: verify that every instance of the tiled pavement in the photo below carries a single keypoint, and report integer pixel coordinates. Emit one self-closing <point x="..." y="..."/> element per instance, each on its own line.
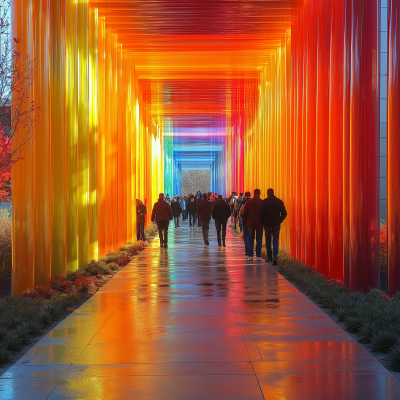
<point x="195" y="322"/>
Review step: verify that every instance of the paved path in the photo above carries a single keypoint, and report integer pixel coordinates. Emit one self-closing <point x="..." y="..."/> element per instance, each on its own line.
<point x="198" y="323"/>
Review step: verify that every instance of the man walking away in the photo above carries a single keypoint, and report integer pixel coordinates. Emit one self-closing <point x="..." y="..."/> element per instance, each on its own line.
<point x="221" y="213"/>
<point x="191" y="207"/>
<point x="176" y="211"/>
<point x="251" y="212"/>
<point x="232" y="202"/>
<point x="204" y="210"/>
<point x="163" y="214"/>
<point x="141" y="211"/>
<point x="272" y="214"/>
<point x="244" y="222"/>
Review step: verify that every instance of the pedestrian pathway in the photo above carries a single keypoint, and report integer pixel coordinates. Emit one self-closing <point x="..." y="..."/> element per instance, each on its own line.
<point x="198" y="323"/>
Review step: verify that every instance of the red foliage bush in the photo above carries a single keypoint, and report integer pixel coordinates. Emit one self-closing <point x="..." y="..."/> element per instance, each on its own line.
<point x="60" y="284"/>
<point x="124" y="260"/>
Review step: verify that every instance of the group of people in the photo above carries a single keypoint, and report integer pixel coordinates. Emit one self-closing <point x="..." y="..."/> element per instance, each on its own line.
<point x="255" y="216"/>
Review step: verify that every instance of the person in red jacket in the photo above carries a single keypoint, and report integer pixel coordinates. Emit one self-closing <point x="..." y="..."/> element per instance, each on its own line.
<point x="162" y="213"/>
<point x="252" y="212"/>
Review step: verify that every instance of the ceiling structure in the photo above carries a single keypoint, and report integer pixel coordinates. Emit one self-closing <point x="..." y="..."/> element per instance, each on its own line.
<point x="199" y="62"/>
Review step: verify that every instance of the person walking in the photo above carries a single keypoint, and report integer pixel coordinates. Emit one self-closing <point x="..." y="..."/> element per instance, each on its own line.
<point x="251" y="212"/>
<point x="272" y="214"/>
<point x="163" y="214"/>
<point x="141" y="211"/>
<point x="204" y="210"/>
<point x="167" y="199"/>
<point x="183" y="207"/>
<point x="244" y="222"/>
<point x="221" y="213"/>
<point x="238" y="205"/>
<point x="176" y="211"/>
<point x="232" y="202"/>
<point x="198" y="201"/>
<point x="192" y="209"/>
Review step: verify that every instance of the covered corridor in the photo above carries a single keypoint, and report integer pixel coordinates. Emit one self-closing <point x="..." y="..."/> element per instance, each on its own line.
<point x="196" y="322"/>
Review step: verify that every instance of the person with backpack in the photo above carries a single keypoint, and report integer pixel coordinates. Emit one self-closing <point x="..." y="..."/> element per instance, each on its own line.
<point x="272" y="214"/>
<point x="221" y="213"/>
<point x="232" y="202"/>
<point x="238" y="204"/>
<point x="244" y="222"/>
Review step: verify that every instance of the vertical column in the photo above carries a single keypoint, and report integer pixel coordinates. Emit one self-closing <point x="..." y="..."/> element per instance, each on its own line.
<point x="322" y="145"/>
<point x="93" y="133"/>
<point x="101" y="167"/>
<point x="58" y="142"/>
<point x="393" y="147"/>
<point x="311" y="52"/>
<point x="346" y="139"/>
<point x="22" y="175"/>
<point x="336" y="142"/>
<point x="71" y="135"/>
<point x="364" y="149"/>
<point x="83" y="132"/>
<point x="41" y="143"/>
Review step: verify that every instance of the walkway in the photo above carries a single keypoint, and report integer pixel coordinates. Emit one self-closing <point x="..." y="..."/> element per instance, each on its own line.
<point x="198" y="323"/>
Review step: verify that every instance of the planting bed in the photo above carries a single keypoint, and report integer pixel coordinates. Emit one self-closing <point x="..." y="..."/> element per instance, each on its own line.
<point x="372" y="318"/>
<point x="25" y="319"/>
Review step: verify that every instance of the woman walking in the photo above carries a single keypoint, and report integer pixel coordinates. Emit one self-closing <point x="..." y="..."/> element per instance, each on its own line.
<point x="176" y="211"/>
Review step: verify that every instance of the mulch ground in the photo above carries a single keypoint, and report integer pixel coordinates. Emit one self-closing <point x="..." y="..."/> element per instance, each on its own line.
<point x="5" y="286"/>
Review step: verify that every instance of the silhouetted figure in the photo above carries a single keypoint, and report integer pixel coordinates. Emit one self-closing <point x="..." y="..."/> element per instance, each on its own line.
<point x="251" y="212"/>
<point x="163" y="214"/>
<point x="204" y="210"/>
<point x="192" y="209"/>
<point x="272" y="214"/>
<point x="221" y="213"/>
<point x="141" y="211"/>
<point x="244" y="222"/>
<point x="176" y="211"/>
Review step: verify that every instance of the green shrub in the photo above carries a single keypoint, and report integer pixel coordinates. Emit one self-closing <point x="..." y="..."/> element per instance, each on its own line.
<point x="353" y="324"/>
<point x="383" y="341"/>
<point x="394" y="359"/>
<point x="5" y="356"/>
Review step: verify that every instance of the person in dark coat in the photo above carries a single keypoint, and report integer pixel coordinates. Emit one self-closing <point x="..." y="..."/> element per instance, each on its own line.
<point x="221" y="213"/>
<point x="272" y="214"/>
<point x="199" y="199"/>
<point x="204" y="211"/>
<point x="141" y="211"/>
<point x="163" y="214"/>
<point x="251" y="213"/>
<point x="244" y="222"/>
<point x="176" y="211"/>
<point x="192" y="209"/>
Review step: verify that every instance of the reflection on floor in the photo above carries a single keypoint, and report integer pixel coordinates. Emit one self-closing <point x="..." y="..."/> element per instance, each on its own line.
<point x="196" y="322"/>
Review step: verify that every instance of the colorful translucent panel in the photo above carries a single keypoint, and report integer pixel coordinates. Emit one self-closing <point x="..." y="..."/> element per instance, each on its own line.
<point x="95" y="150"/>
<point x="280" y="94"/>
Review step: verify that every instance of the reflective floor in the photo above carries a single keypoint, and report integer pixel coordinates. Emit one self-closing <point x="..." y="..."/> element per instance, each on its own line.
<point x="195" y="322"/>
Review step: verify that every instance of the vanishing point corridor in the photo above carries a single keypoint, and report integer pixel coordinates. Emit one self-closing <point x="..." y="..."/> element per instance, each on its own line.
<point x="198" y="323"/>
